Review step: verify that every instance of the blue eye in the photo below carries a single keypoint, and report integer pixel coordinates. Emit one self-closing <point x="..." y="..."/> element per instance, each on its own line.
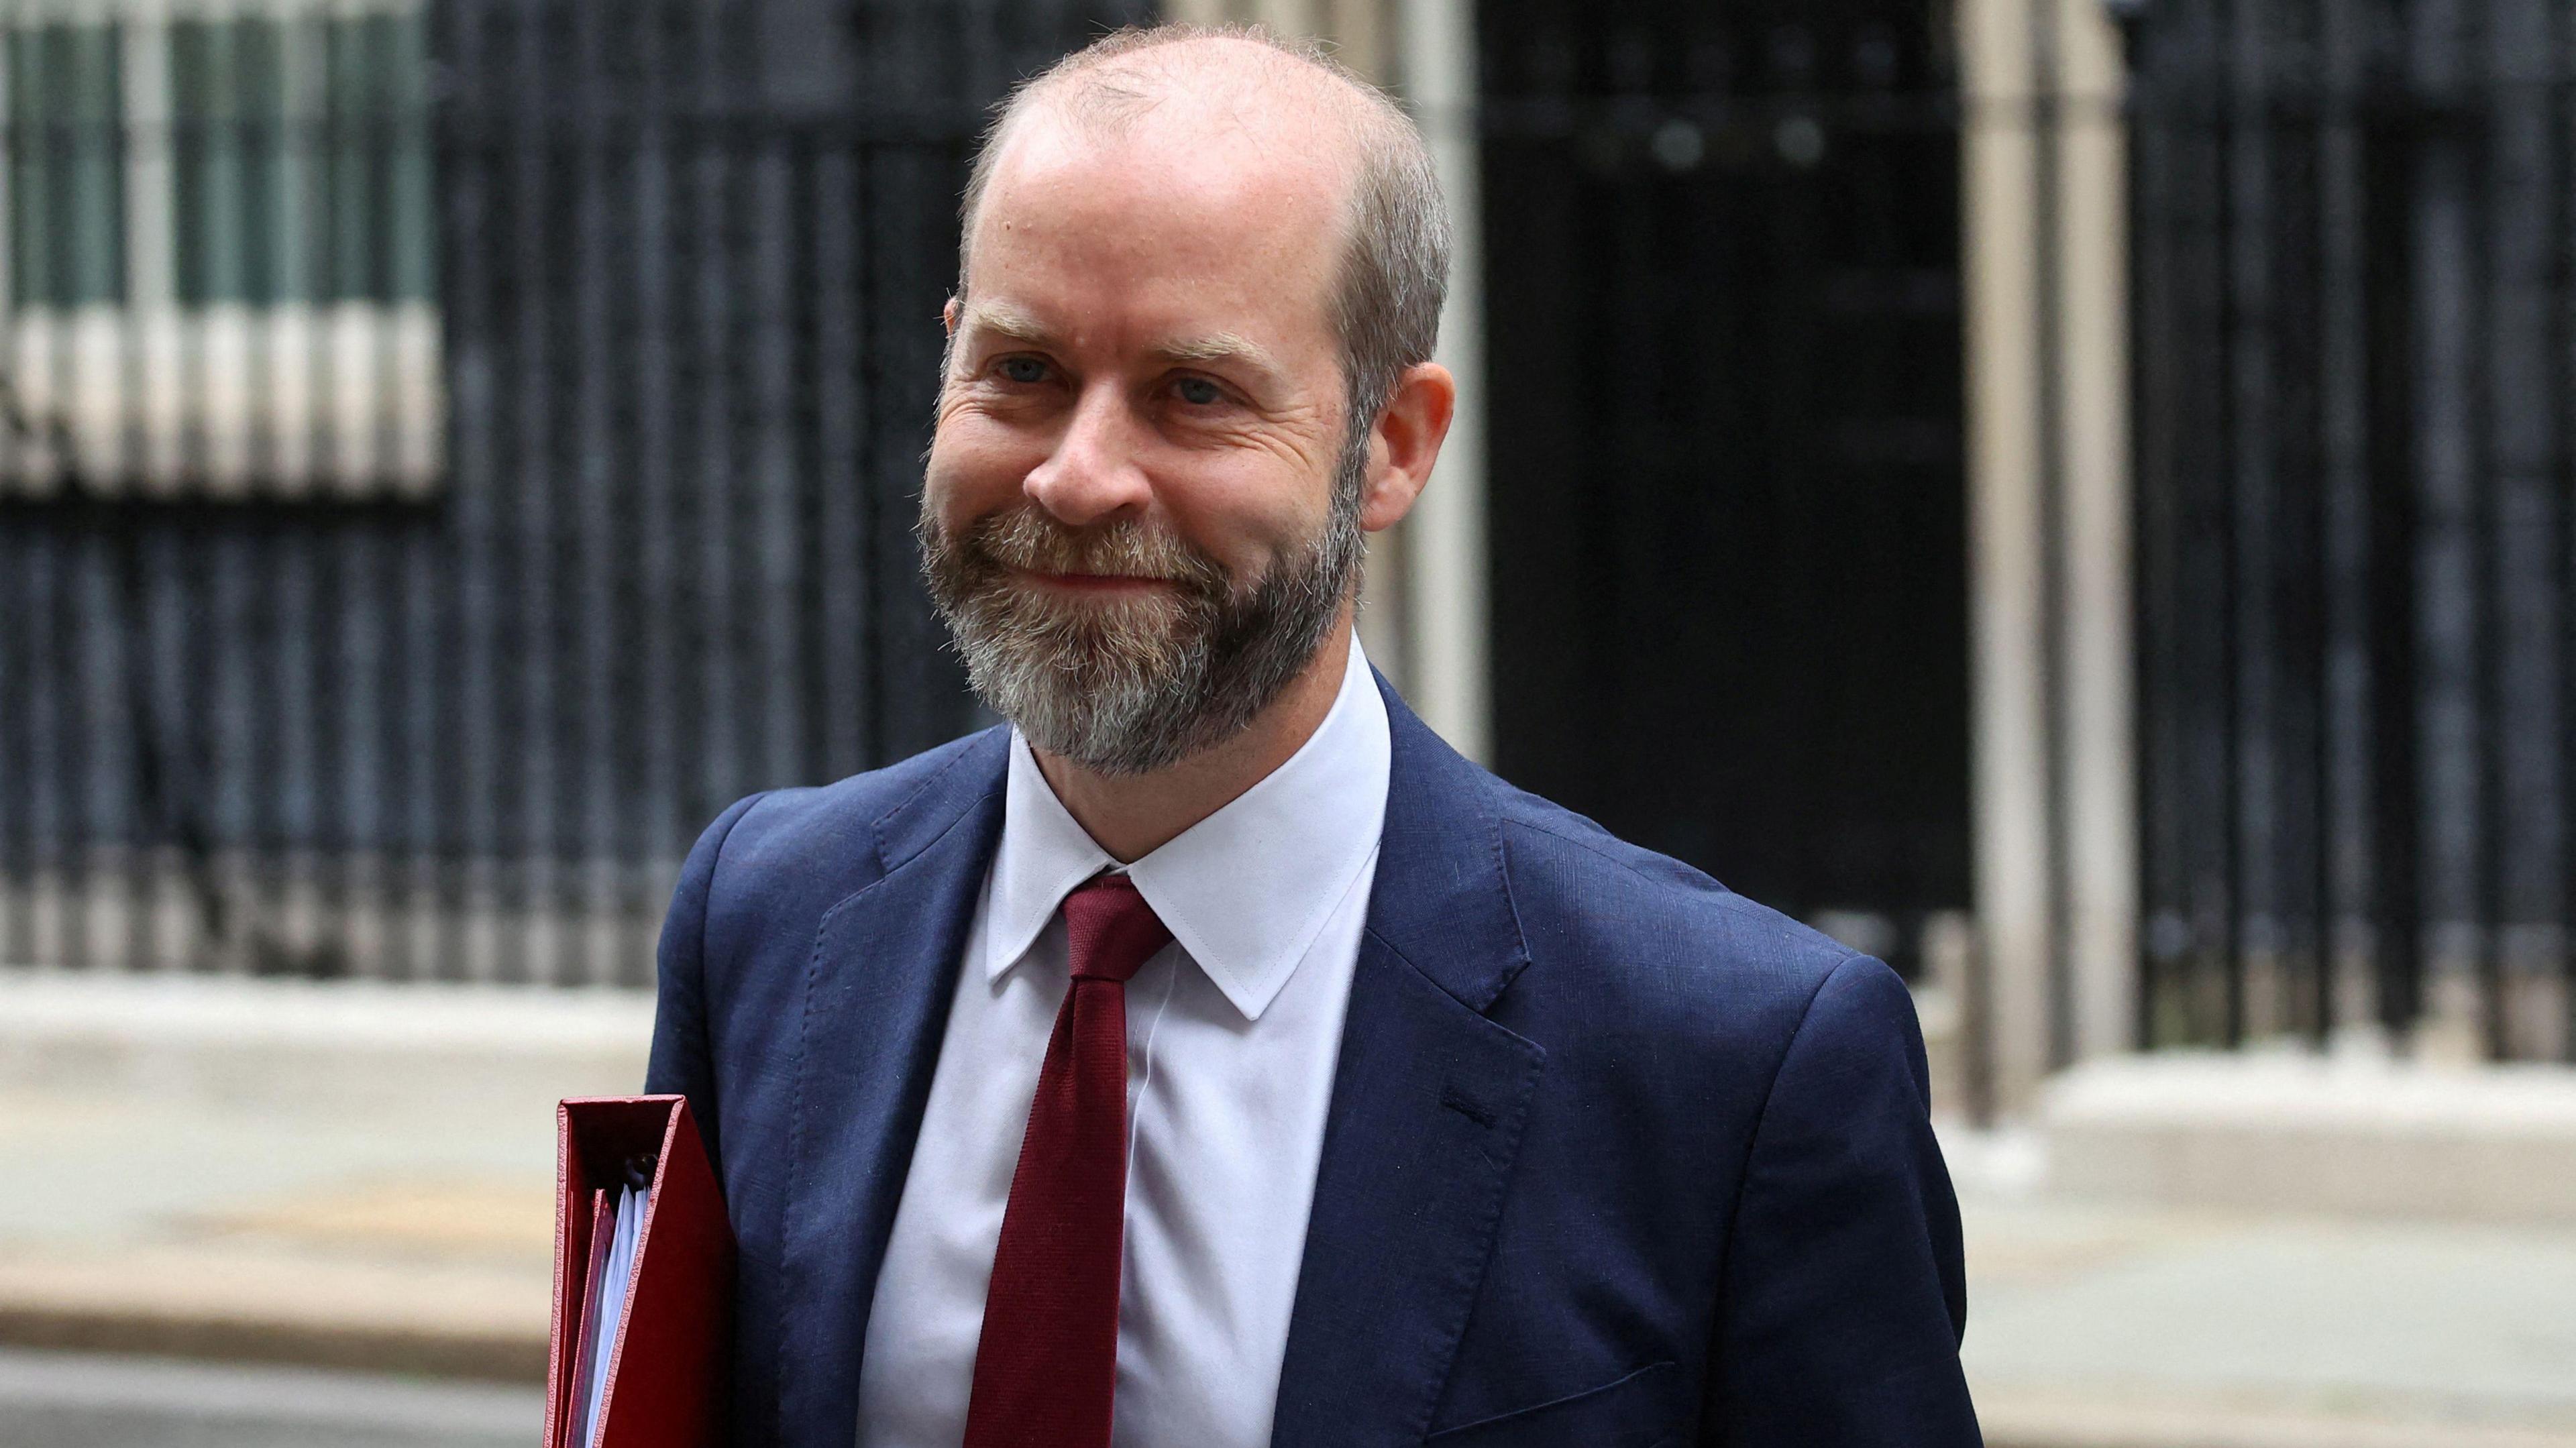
<point x="1198" y="391"/>
<point x="1023" y="370"/>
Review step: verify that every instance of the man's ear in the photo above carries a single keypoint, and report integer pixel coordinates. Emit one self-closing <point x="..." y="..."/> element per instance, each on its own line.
<point x="1406" y="443"/>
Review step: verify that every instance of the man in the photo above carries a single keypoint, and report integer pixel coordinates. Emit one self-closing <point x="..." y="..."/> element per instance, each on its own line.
<point x="1213" y="1058"/>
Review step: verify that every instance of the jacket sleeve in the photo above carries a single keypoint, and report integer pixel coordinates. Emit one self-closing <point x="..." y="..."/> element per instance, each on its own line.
<point x="1843" y="1299"/>
<point x="682" y="1063"/>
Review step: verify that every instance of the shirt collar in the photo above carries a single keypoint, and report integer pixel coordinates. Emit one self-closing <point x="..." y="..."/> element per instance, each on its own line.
<point x="1245" y="891"/>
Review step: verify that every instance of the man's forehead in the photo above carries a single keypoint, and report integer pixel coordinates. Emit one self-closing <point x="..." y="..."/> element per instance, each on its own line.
<point x="1211" y="187"/>
<point x="1198" y="153"/>
<point x="1154" y="230"/>
<point x="1216" y="127"/>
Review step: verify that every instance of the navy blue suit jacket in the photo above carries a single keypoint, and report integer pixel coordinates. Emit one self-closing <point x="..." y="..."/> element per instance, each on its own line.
<point x="1615" y="1158"/>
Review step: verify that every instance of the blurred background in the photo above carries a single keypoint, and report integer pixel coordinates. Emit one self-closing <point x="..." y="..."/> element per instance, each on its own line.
<point x="2076" y="499"/>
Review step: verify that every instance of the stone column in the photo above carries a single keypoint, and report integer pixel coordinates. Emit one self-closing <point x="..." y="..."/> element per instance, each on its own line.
<point x="2054" y="812"/>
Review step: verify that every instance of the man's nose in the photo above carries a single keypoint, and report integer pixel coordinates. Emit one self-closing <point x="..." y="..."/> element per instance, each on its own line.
<point x="1092" y="474"/>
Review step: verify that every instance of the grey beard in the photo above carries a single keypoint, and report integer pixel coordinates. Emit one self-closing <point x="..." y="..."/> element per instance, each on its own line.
<point x="1135" y="685"/>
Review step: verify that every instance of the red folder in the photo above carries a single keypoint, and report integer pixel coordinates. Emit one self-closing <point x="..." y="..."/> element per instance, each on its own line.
<point x="667" y="1367"/>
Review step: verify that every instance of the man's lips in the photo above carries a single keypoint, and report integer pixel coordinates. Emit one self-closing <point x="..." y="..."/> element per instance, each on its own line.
<point x="1109" y="583"/>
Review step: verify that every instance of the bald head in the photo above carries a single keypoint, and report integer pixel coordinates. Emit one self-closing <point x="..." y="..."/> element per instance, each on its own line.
<point x="1290" y="129"/>
<point x="1128" y="79"/>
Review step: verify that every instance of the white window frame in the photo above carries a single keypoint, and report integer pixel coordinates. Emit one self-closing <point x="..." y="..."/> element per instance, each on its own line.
<point x="224" y="399"/>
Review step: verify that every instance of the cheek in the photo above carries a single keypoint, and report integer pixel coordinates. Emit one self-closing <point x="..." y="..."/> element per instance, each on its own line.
<point x="974" y="467"/>
<point x="1247" y="522"/>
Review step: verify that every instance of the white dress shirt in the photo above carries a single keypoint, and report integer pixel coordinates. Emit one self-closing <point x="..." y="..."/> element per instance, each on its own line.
<point x="1232" y="1035"/>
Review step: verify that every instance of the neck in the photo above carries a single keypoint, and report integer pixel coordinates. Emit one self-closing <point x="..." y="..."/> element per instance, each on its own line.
<point x="1132" y="815"/>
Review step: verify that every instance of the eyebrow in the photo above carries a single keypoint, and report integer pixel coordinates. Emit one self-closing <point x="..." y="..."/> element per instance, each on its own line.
<point x="1017" y="324"/>
<point x="1218" y="347"/>
<point x="1005" y="320"/>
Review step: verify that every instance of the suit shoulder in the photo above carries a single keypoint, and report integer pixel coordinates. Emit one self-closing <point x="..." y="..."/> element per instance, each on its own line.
<point x="1582" y="891"/>
<point x="837" y="835"/>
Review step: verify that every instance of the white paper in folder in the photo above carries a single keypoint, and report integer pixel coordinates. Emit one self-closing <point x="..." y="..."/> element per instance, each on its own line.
<point x="609" y="1293"/>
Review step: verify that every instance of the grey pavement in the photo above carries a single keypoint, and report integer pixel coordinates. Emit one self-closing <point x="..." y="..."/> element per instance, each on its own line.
<point x="2111" y="1325"/>
<point x="70" y="1400"/>
<point x="266" y="1171"/>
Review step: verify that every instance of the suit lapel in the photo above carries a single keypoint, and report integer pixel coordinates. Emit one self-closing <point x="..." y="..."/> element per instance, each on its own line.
<point x="1427" y="1106"/>
<point x="877" y="990"/>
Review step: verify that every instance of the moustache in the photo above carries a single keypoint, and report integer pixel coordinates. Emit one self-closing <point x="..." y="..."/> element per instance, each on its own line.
<point x="1029" y="540"/>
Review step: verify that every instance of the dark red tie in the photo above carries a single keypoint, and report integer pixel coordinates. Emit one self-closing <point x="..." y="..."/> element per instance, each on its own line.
<point x="1046" y="1368"/>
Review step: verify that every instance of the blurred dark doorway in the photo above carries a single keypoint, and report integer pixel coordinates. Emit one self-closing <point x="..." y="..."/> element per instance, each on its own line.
<point x="1728" y="508"/>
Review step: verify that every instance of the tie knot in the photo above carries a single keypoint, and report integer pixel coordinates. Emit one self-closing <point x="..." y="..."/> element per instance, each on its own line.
<point x="1111" y="928"/>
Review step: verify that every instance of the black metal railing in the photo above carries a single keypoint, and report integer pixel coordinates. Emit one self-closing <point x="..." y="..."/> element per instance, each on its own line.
<point x="451" y="452"/>
<point x="397" y="596"/>
<point x="2355" y="312"/>
<point x="1730" y="613"/>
